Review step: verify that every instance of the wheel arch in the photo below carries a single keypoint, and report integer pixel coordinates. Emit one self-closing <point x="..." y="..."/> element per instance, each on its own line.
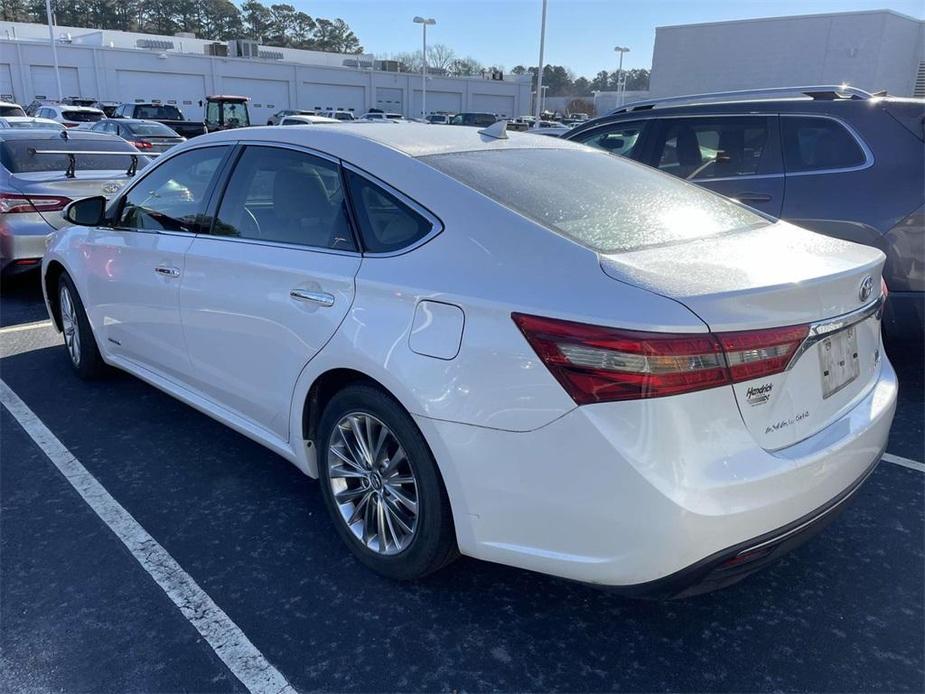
<point x="50" y="279"/>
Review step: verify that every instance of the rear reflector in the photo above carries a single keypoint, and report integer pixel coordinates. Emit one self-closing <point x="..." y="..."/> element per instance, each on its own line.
<point x="599" y="364"/>
<point x="27" y="261"/>
<point x="13" y="203"/>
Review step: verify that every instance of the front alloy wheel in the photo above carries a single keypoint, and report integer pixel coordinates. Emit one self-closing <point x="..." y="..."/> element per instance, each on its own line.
<point x="373" y="483"/>
<point x="69" y="324"/>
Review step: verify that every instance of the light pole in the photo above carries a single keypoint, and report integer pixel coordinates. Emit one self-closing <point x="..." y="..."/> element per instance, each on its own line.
<point x="539" y="72"/>
<point x="621" y="82"/>
<point x="430" y="21"/>
<point x="543" y="99"/>
<point x="54" y="49"/>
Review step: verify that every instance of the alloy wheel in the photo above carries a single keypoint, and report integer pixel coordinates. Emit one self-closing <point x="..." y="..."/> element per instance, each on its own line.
<point x="69" y="325"/>
<point x="373" y="483"/>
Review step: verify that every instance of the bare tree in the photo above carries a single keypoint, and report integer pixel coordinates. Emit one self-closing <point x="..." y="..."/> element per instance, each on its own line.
<point x="440" y="57"/>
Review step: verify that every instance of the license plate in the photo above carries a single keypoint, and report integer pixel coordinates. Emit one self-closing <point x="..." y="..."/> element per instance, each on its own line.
<point x="838" y="359"/>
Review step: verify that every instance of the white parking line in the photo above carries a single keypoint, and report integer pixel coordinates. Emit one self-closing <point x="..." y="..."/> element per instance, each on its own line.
<point x="905" y="462"/>
<point x="26" y="326"/>
<point x="223" y="635"/>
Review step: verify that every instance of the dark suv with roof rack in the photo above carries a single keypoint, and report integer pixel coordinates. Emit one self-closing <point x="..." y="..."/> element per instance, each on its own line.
<point x="836" y="160"/>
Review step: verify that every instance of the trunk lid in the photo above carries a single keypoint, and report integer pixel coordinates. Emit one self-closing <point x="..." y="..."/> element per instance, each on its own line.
<point x="775" y="276"/>
<point x="83" y="185"/>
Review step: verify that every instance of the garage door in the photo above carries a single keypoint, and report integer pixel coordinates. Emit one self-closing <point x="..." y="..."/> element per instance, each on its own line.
<point x="334" y="96"/>
<point x="183" y="91"/>
<point x="266" y="96"/>
<point x="44" y="85"/>
<point x="446" y="102"/>
<point x="493" y="103"/>
<point x="389" y="99"/>
<point x="6" y="83"/>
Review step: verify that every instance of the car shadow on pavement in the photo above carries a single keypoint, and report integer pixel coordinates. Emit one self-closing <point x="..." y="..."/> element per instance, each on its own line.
<point x="844" y="612"/>
<point x="21" y="299"/>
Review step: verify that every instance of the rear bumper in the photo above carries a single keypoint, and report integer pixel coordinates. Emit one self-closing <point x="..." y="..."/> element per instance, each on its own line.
<point x="651" y="497"/>
<point x="16" y="247"/>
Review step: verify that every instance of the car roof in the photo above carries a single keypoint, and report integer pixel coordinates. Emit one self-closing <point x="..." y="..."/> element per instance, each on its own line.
<point x="348" y="140"/>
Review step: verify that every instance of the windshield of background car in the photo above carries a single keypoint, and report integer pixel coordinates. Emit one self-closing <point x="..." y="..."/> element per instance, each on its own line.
<point x="18" y="156"/>
<point x="158" y="113"/>
<point x="603" y="202"/>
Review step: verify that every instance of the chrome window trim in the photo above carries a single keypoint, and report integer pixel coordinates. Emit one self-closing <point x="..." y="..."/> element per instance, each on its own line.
<point x="820" y="330"/>
<point x="436" y="225"/>
<point x="278" y="244"/>
<point x="868" y="155"/>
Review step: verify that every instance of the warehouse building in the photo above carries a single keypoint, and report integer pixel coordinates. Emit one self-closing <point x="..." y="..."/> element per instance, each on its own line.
<point x="182" y="70"/>
<point x="872" y="50"/>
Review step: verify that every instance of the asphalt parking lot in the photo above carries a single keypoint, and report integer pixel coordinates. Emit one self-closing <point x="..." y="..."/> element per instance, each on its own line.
<point x="78" y="612"/>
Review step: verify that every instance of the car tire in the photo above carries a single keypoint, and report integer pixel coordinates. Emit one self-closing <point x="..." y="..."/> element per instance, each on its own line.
<point x="381" y="483"/>
<point x="80" y="345"/>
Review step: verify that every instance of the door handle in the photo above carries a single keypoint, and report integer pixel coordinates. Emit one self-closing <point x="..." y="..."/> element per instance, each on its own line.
<point x="167" y="270"/>
<point x="752" y="197"/>
<point x="321" y="298"/>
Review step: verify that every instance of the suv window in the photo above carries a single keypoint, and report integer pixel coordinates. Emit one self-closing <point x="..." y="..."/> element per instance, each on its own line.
<point x="816" y="144"/>
<point x="173" y="197"/>
<point x="285" y="196"/>
<point x="705" y="148"/>
<point x="616" y="138"/>
<point x="386" y="223"/>
<point x="158" y="112"/>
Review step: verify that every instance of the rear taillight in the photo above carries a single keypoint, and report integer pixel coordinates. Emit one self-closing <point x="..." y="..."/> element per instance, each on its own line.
<point x="142" y="144"/>
<point x="13" y="203"/>
<point x="884" y="290"/>
<point x="759" y="353"/>
<point x="599" y="364"/>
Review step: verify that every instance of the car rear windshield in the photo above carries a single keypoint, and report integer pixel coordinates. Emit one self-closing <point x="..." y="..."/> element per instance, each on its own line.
<point x="599" y="200"/>
<point x="152" y="129"/>
<point x="158" y="112"/>
<point x="20" y="156"/>
<point x="11" y="111"/>
<point x="81" y="116"/>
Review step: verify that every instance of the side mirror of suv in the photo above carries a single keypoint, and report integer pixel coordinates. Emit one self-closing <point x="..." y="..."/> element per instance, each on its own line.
<point x="87" y="212"/>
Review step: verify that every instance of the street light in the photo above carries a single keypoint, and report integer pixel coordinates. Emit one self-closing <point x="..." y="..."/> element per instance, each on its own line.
<point x="430" y="21"/>
<point x="621" y="81"/>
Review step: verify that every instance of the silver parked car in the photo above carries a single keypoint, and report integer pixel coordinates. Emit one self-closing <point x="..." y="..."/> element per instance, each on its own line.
<point x="146" y="135"/>
<point x="41" y="171"/>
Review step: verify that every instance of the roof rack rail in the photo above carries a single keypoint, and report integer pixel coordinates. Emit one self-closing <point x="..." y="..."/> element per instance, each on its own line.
<point x="823" y="92"/>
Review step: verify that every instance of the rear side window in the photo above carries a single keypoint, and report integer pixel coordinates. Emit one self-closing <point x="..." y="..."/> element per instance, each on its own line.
<point x="605" y="203"/>
<point x="20" y="156"/>
<point x="284" y="196"/>
<point x="173" y="197"/>
<point x="616" y="138"/>
<point x="386" y="223"/>
<point x="818" y="144"/>
<point x="703" y="148"/>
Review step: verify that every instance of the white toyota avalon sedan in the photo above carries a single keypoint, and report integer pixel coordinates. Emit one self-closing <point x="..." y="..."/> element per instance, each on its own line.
<point x="510" y="347"/>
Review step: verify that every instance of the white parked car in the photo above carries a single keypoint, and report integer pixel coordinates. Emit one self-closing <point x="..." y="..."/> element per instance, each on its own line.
<point x="381" y="116"/>
<point x="607" y="374"/>
<point x="25" y="122"/>
<point x="306" y="120"/>
<point x="70" y="116"/>
<point x="338" y="114"/>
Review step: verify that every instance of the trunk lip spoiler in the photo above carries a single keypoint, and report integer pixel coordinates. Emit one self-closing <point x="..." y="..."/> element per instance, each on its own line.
<point x="819" y="330"/>
<point x="72" y="158"/>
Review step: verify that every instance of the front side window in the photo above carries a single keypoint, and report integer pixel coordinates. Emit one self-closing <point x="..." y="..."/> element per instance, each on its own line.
<point x="602" y="202"/>
<point x="705" y="148"/>
<point x="617" y="138"/>
<point x="818" y="144"/>
<point x="173" y="197"/>
<point x="386" y="223"/>
<point x="284" y="196"/>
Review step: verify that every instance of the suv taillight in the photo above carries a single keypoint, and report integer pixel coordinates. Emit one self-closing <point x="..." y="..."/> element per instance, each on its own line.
<point x="599" y="364"/>
<point x="13" y="203"/>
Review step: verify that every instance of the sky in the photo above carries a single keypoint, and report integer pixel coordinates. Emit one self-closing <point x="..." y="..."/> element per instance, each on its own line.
<point x="580" y="34"/>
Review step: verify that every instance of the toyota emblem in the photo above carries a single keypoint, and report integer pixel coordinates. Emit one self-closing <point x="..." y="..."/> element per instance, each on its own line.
<point x="867" y="286"/>
<point x="111" y="188"/>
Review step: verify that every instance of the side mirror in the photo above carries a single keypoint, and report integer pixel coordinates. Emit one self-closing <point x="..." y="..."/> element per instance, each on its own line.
<point x="87" y="212"/>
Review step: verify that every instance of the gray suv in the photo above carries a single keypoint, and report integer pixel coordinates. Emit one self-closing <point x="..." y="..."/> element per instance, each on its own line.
<point x="836" y="160"/>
